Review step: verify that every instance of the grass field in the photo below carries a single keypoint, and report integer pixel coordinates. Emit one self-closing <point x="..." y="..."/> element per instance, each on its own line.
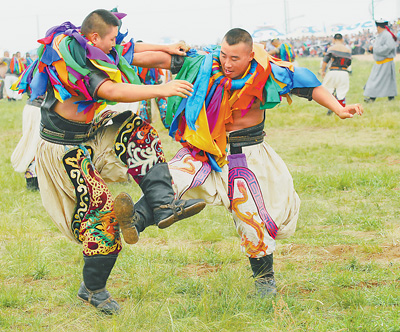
<point x="339" y="272"/>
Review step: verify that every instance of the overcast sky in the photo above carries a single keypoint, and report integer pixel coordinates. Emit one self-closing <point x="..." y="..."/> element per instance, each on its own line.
<point x="22" y="22"/>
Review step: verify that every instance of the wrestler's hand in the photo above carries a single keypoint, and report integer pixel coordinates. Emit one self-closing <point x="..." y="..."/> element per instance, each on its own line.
<point x="179" y="48"/>
<point x="179" y="88"/>
<point x="349" y="110"/>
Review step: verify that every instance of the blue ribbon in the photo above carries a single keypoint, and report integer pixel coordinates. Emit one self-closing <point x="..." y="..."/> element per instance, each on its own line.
<point x="238" y="84"/>
<point x="39" y="84"/>
<point x="195" y="101"/>
<point x="214" y="165"/>
<point x="300" y="78"/>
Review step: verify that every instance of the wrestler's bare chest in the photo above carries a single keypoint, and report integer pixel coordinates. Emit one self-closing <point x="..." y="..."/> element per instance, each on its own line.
<point x="253" y="117"/>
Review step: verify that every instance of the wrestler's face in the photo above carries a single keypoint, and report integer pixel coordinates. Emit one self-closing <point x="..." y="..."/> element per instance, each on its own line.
<point x="107" y="42"/>
<point x="235" y="59"/>
<point x="380" y="29"/>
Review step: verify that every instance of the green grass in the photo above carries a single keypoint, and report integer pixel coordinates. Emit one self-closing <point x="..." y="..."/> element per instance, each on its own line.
<point x="339" y="272"/>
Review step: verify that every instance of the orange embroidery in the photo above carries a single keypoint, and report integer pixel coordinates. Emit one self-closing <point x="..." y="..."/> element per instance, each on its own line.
<point x="251" y="249"/>
<point x="189" y="165"/>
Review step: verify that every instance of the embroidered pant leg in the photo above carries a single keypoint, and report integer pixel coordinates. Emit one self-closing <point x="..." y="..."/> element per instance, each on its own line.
<point x="138" y="146"/>
<point x="194" y="179"/>
<point x="93" y="222"/>
<point x="252" y="220"/>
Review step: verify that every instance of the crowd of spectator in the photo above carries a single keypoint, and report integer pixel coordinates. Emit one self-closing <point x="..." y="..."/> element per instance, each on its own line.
<point x="359" y="43"/>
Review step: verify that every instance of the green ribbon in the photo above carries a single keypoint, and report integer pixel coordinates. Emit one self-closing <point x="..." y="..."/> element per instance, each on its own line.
<point x="271" y="93"/>
<point x="188" y="72"/>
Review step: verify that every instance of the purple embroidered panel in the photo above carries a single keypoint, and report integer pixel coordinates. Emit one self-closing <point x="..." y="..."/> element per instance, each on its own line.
<point x="237" y="160"/>
<point x="248" y="176"/>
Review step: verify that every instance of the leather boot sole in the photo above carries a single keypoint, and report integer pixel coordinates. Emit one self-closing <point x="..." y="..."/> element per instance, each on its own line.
<point x="188" y="212"/>
<point x="124" y="210"/>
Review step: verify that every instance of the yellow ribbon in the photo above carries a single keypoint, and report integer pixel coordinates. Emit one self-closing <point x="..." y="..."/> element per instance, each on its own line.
<point x="113" y="73"/>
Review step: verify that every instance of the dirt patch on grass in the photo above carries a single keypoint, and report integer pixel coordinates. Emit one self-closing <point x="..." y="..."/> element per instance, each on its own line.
<point x="372" y="283"/>
<point x="381" y="254"/>
<point x="171" y="243"/>
<point x="191" y="270"/>
<point x="153" y="242"/>
<point x="389" y="254"/>
<point x="359" y="285"/>
<point x="391" y="160"/>
<point x="329" y="252"/>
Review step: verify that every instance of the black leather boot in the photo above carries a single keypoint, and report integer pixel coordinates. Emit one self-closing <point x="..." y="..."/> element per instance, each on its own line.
<point x="132" y="218"/>
<point x="157" y="189"/>
<point x="96" y="271"/>
<point x="144" y="213"/>
<point x="263" y="273"/>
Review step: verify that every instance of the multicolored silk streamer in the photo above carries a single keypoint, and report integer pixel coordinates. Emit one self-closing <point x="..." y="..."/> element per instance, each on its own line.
<point x="16" y="66"/>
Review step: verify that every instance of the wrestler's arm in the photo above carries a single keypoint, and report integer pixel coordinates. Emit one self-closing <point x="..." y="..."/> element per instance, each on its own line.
<point x="179" y="48"/>
<point x="127" y="93"/>
<point x="306" y="85"/>
<point x="152" y="59"/>
<point x="159" y="60"/>
<point x="323" y="97"/>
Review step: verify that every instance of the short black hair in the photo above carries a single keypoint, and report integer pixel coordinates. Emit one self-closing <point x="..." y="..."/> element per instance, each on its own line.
<point x="98" y="21"/>
<point x="338" y="36"/>
<point x="238" y="35"/>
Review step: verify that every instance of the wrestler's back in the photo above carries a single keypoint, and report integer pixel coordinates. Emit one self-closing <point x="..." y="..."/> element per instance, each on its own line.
<point x="68" y="110"/>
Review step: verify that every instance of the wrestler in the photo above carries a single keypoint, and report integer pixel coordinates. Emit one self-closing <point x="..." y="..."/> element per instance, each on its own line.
<point x="225" y="159"/>
<point x="83" y="145"/>
<point x="338" y="60"/>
